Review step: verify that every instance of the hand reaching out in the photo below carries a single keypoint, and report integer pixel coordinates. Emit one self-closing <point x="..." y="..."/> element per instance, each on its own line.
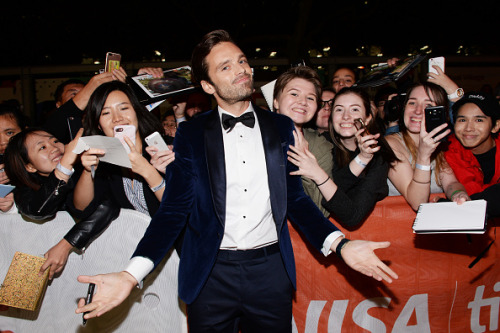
<point x="112" y="290"/>
<point x="301" y="157"/>
<point x="360" y="256"/>
<point x="156" y="72"/>
<point x="56" y="258"/>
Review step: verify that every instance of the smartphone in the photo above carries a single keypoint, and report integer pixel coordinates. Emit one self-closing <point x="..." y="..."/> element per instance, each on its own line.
<point x="112" y="61"/>
<point x="434" y="117"/>
<point x="155" y="140"/>
<point x="438" y="61"/>
<point x="360" y="124"/>
<point x="122" y="131"/>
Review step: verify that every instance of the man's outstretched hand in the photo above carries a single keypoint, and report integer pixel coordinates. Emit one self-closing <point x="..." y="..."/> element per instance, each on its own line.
<point x="112" y="290"/>
<point x="360" y="256"/>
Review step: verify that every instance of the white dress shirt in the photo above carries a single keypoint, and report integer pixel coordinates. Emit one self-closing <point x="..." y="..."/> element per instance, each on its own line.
<point x="249" y="221"/>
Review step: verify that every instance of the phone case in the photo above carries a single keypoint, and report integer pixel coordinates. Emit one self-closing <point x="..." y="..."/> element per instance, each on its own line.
<point x="155" y="140"/>
<point x="112" y="61"/>
<point x="438" y="61"/>
<point x="125" y="130"/>
<point x="434" y="117"/>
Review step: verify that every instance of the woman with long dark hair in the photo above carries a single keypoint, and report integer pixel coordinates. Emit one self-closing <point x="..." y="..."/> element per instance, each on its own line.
<point x="42" y="169"/>
<point x="361" y="157"/>
<point x="140" y="187"/>
<point x="422" y="168"/>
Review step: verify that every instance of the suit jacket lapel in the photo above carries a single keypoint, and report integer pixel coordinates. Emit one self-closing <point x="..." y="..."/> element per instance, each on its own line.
<point x="214" y="152"/>
<point x="275" y="162"/>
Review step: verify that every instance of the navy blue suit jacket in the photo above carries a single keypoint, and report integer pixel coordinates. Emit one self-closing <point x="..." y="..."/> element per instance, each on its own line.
<point x="195" y="199"/>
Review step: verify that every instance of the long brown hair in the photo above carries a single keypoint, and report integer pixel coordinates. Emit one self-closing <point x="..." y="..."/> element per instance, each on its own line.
<point x="342" y="156"/>
<point x="439" y="97"/>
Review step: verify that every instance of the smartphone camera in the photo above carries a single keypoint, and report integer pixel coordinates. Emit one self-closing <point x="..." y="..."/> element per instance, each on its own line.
<point x="435" y="116"/>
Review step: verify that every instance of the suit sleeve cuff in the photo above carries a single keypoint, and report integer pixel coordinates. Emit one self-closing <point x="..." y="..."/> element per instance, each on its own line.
<point x="139" y="268"/>
<point x="327" y="244"/>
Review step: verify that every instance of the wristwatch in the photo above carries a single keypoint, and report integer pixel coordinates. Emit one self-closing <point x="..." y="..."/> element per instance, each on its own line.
<point x="457" y="94"/>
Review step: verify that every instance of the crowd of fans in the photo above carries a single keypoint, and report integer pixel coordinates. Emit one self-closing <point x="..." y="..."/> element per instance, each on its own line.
<point x="353" y="147"/>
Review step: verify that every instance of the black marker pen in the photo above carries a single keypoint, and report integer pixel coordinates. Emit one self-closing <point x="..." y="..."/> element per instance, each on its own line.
<point x="88" y="299"/>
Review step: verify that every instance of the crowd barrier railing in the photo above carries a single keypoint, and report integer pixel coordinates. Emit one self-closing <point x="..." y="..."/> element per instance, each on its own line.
<point x="154" y="308"/>
<point x="436" y="290"/>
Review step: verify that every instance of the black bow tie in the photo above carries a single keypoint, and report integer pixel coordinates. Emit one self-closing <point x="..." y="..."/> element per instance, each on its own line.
<point x="247" y="119"/>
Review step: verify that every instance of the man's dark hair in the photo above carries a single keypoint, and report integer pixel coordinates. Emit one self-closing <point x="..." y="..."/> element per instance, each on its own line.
<point x="199" y="66"/>
<point x="60" y="88"/>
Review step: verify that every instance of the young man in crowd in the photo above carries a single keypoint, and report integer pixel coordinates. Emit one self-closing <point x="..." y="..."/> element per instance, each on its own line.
<point x="473" y="153"/>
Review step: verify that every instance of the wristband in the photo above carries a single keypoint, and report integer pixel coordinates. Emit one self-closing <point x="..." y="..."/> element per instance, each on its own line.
<point x="327" y="179"/>
<point x="359" y="161"/>
<point x="455" y="192"/>
<point x="423" y="167"/>
<point x="159" y="187"/>
<point x="340" y="246"/>
<point x="64" y="170"/>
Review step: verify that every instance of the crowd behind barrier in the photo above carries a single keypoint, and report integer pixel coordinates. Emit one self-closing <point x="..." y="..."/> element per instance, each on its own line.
<point x="435" y="292"/>
<point x="154" y="308"/>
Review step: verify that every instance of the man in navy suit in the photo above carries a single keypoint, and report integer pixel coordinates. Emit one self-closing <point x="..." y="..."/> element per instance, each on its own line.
<point x="231" y="191"/>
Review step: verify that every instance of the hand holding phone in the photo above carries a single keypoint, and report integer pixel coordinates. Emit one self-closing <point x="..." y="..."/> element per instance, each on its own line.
<point x="360" y="124"/>
<point x="122" y="131"/>
<point x="155" y="140"/>
<point x="435" y="116"/>
<point x="438" y="61"/>
<point x="112" y="61"/>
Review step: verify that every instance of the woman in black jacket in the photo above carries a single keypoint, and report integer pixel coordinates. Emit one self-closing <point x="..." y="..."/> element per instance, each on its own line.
<point x="42" y="169"/>
<point x="140" y="187"/>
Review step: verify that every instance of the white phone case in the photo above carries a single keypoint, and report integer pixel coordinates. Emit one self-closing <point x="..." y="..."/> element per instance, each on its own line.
<point x="438" y="61"/>
<point x="122" y="131"/>
<point x="155" y="140"/>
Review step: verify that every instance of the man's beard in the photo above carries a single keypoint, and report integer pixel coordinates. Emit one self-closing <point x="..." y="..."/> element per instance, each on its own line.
<point x="236" y="93"/>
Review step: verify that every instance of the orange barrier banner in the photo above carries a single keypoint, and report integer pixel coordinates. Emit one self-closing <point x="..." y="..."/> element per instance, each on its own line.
<point x="436" y="290"/>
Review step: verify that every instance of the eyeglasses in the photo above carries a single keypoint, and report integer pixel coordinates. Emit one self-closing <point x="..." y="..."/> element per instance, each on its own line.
<point x="328" y="102"/>
<point x="170" y="125"/>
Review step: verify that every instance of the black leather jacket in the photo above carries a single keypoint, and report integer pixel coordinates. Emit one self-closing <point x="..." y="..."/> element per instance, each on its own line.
<point x="44" y="203"/>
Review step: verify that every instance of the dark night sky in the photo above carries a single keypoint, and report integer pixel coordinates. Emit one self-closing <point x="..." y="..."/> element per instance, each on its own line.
<point x="58" y="33"/>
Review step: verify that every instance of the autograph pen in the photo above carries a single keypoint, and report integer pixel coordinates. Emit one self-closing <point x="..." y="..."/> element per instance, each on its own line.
<point x="88" y="299"/>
